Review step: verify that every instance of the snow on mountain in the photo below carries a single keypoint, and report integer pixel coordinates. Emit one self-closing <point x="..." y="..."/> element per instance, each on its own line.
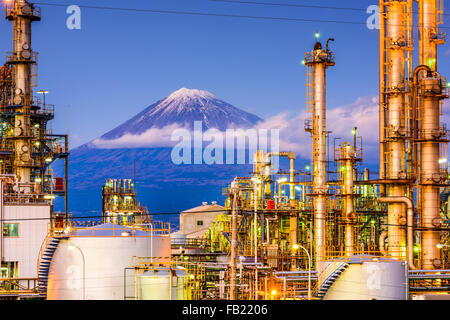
<point x="183" y="107"/>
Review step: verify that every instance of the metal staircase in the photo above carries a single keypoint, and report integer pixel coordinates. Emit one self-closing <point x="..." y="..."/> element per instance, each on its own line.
<point x="44" y="263"/>
<point x="329" y="277"/>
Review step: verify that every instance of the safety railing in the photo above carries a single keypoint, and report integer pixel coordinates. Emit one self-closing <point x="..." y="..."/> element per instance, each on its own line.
<point x="194" y="278"/>
<point x="155" y="229"/>
<point x="192" y="243"/>
<point x="32" y="198"/>
<point x="29" y="11"/>
<point x="332" y="268"/>
<point x="362" y="255"/>
<point x="16" y="57"/>
<point x="44" y="246"/>
<point x="18" y="286"/>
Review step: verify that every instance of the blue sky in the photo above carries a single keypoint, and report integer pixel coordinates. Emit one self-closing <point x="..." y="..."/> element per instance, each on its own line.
<point x="121" y="62"/>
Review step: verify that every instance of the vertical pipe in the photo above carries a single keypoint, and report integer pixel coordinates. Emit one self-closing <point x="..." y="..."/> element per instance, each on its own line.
<point x="347" y="151"/>
<point x="430" y="174"/>
<point x="23" y="55"/>
<point x="319" y="60"/>
<point x="2" y="216"/>
<point x="233" y="242"/>
<point x="66" y="178"/>
<point x="292" y="178"/>
<point x="382" y="88"/>
<point x="255" y="221"/>
<point x="396" y="169"/>
<point x="410" y="223"/>
<point x="429" y="131"/>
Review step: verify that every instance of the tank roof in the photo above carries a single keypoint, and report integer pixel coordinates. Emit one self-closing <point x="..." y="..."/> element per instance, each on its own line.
<point x="109" y="229"/>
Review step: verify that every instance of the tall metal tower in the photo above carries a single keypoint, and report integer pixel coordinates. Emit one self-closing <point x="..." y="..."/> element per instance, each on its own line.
<point x="317" y="62"/>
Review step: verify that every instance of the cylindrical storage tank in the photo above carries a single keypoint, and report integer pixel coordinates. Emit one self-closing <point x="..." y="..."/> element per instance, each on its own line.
<point x="165" y="284"/>
<point x="91" y="264"/>
<point x="371" y="280"/>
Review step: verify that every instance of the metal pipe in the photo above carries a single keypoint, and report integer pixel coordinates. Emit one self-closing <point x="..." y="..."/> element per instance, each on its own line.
<point x="235" y="192"/>
<point x="429" y="132"/>
<point x="348" y="156"/>
<point x="2" y="216"/>
<point x="430" y="173"/>
<point x="396" y="164"/>
<point x="255" y="221"/>
<point x="319" y="60"/>
<point x="22" y="16"/>
<point x="309" y="270"/>
<point x="381" y="241"/>
<point x="382" y="89"/>
<point x="410" y="224"/>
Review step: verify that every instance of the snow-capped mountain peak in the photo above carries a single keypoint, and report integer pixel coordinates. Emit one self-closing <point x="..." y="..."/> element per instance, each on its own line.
<point x="183" y="107"/>
<point x="184" y="94"/>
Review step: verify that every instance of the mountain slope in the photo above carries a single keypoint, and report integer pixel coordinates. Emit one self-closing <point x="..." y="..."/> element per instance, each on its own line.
<point x="183" y="107"/>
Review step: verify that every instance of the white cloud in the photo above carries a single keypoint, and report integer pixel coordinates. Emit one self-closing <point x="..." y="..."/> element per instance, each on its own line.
<point x="154" y="137"/>
<point x="362" y="113"/>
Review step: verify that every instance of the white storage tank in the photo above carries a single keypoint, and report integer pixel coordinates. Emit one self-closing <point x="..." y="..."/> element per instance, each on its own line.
<point x="371" y="278"/>
<point x="90" y="264"/>
<point x="162" y="284"/>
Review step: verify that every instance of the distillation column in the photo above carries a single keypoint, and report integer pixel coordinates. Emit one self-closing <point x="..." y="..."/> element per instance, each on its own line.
<point x="396" y="45"/>
<point x="430" y="94"/>
<point x="319" y="60"/>
<point x="22" y="59"/>
<point x="348" y="156"/>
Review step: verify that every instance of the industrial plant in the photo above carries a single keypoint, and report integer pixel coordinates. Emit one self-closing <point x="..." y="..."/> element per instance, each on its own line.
<point x="333" y="230"/>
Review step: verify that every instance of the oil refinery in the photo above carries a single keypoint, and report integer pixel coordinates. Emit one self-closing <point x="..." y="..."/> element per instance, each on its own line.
<point x="334" y="230"/>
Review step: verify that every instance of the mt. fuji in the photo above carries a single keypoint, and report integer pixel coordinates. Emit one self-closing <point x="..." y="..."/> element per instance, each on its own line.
<point x="162" y="186"/>
<point x="183" y="107"/>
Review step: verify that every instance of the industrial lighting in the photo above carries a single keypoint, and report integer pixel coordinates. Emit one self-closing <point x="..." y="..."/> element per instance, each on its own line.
<point x="440" y="245"/>
<point x="354" y="132"/>
<point x="125" y="234"/>
<point x="298" y="188"/>
<point x="274" y="292"/>
<point x="443" y="160"/>
<point x="303" y="61"/>
<point x="37" y="180"/>
<point x="317" y="35"/>
<point x="48" y="160"/>
<point x="416" y="249"/>
<point x="295" y="246"/>
<point x="282" y="180"/>
<point x="307" y="168"/>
